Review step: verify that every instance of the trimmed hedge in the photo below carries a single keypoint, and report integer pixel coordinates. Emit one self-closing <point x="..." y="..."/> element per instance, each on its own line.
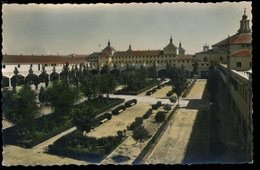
<point x="170" y="93"/>
<point x="148" y="113"/>
<point x="130" y="103"/>
<point x="127" y="92"/>
<point x="118" y="110"/>
<point x="157" y="105"/>
<point x="167" y="107"/>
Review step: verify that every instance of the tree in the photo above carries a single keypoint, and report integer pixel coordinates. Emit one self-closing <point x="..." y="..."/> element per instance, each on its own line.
<point x="83" y="119"/>
<point x="195" y="68"/>
<point x="105" y="69"/>
<point x="160" y="117"/>
<point x="54" y="76"/>
<point x="41" y="95"/>
<point x="62" y="97"/>
<point x="64" y="73"/>
<point x="89" y="86"/>
<point x="107" y="83"/>
<point x="140" y="134"/>
<point x="14" y="80"/>
<point x="23" y="110"/>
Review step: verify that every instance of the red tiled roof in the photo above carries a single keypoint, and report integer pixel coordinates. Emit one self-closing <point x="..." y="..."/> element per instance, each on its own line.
<point x="184" y="57"/>
<point x="137" y="53"/>
<point x="242" y="53"/>
<point x="41" y="59"/>
<point x="242" y="38"/>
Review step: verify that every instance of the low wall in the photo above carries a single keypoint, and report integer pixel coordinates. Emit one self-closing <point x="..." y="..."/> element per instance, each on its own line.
<point x="187" y="91"/>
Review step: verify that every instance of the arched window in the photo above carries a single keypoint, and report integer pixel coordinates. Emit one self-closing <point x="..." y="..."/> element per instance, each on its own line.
<point x="205" y="59"/>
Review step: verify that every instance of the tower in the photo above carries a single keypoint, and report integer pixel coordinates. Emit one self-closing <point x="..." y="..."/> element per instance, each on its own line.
<point x="205" y="47"/>
<point x="244" y="24"/>
<point x="130" y="48"/>
<point x="181" y="50"/>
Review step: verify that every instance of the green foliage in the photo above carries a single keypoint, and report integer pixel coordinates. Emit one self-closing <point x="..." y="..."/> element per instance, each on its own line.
<point x="107" y="83"/>
<point x="83" y="119"/>
<point x="160" y="117"/>
<point x="41" y="95"/>
<point x="140" y="134"/>
<point x="62" y="97"/>
<point x="137" y="123"/>
<point x="20" y="108"/>
<point x="89" y="86"/>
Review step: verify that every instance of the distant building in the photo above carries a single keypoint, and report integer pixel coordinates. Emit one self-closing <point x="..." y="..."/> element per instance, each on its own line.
<point x="170" y="55"/>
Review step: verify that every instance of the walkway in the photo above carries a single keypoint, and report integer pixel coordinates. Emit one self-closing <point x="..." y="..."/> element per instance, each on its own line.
<point x="174" y="146"/>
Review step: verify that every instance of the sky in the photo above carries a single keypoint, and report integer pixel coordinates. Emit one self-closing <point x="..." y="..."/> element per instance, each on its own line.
<point x="80" y="29"/>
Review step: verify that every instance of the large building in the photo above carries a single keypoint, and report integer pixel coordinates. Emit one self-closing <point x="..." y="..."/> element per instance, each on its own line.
<point x="170" y="54"/>
<point x="235" y="49"/>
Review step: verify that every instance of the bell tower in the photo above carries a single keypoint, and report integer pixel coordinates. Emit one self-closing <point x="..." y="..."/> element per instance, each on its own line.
<point x="244" y="24"/>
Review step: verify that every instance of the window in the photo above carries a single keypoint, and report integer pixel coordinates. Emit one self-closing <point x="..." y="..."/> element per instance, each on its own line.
<point x="221" y="58"/>
<point x="188" y="61"/>
<point x="183" y="61"/>
<point x="239" y="64"/>
<point x="18" y="65"/>
<point x="205" y="59"/>
<point x="202" y="64"/>
<point x="3" y="66"/>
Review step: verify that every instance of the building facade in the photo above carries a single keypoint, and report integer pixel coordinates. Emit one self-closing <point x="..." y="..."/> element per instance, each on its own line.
<point x="235" y="50"/>
<point x="170" y="55"/>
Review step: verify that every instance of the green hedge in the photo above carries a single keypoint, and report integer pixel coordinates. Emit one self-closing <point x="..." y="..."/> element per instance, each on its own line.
<point x="125" y="90"/>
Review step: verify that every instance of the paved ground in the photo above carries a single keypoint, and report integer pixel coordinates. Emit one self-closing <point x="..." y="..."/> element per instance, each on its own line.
<point x="120" y="122"/>
<point x="172" y="146"/>
<point x="130" y="148"/>
<point x="180" y="142"/>
<point x="14" y="155"/>
<point x="162" y="92"/>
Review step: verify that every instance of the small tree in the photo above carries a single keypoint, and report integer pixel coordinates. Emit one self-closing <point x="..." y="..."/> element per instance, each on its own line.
<point x="83" y="119"/>
<point x="160" y="117"/>
<point x="140" y="134"/>
<point x="62" y="97"/>
<point x="41" y="95"/>
<point x="23" y="110"/>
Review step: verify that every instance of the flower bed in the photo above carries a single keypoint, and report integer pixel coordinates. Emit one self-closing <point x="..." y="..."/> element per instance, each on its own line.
<point x="75" y="145"/>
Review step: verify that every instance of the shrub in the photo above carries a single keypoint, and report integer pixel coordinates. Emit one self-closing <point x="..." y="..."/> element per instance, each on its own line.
<point x="130" y="103"/>
<point x="169" y="93"/>
<point x="148" y="93"/>
<point x="157" y="105"/>
<point x="160" y="117"/>
<point x="167" y="107"/>
<point x="153" y="90"/>
<point x="117" y="110"/>
<point x="138" y="122"/>
<point x="147" y="114"/>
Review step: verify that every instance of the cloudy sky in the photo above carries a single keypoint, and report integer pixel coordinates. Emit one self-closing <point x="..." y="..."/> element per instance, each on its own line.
<point x="66" y="29"/>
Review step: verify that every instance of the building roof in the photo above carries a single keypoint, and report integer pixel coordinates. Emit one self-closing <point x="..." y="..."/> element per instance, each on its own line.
<point x="184" y="57"/>
<point x="137" y="53"/>
<point x="42" y="59"/>
<point x="242" y="53"/>
<point x="239" y="38"/>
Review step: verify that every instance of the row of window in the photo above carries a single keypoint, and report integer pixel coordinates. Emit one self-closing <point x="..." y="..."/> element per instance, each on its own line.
<point x="131" y="57"/>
